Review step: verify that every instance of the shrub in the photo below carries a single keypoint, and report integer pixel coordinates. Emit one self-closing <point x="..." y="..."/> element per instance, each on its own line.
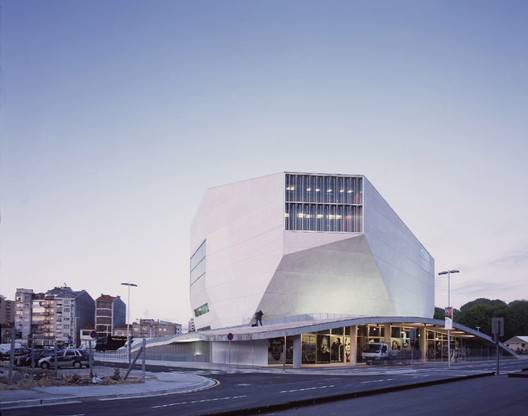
<point x="117" y="375"/>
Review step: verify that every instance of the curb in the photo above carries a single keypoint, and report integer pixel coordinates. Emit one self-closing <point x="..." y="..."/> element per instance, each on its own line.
<point x="21" y="404"/>
<point x="341" y="396"/>
<point x="520" y="374"/>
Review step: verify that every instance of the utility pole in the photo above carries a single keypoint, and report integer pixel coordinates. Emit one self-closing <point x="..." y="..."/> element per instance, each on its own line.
<point x="450" y="309"/>
<point x="129" y="285"/>
<point x="11" y="356"/>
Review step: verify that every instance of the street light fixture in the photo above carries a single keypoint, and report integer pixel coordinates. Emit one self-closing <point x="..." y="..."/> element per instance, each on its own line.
<point x="129" y="285"/>
<point x="449" y="272"/>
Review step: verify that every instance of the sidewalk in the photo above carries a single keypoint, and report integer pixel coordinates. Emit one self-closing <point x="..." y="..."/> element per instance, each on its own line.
<point x="359" y="369"/>
<point x="155" y="384"/>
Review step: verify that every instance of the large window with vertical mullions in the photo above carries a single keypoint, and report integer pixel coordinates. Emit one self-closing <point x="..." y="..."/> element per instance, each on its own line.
<point x="323" y="203"/>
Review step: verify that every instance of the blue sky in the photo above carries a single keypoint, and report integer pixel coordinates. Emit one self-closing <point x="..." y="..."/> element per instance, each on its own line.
<point x="117" y="115"/>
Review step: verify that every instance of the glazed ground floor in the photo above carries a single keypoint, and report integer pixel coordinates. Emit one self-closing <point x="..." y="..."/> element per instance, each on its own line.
<point x="346" y="345"/>
<point x="332" y="344"/>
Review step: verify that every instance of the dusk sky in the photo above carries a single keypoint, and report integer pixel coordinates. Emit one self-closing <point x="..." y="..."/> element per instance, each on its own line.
<point x="116" y="116"/>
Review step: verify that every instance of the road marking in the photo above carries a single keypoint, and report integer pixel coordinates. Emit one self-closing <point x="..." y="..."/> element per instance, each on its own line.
<point x="243" y="384"/>
<point x="168" y="393"/>
<point x="199" y="401"/>
<point x="308" y="388"/>
<point x="78" y="414"/>
<point x="377" y="381"/>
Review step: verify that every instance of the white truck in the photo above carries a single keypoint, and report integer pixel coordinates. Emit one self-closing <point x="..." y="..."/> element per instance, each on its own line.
<point x="377" y="352"/>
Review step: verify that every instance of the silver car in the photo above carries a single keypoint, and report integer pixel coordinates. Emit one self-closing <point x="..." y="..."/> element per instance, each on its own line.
<point x="66" y="358"/>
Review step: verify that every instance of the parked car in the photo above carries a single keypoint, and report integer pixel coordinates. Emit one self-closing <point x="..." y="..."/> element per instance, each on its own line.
<point x="18" y="353"/>
<point x="66" y="358"/>
<point x="25" y="360"/>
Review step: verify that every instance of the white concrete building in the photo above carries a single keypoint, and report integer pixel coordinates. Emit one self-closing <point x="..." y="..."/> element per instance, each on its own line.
<point x="333" y="268"/>
<point x="300" y="244"/>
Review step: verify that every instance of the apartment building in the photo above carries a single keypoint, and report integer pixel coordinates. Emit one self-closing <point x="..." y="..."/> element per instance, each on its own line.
<point x="110" y="313"/>
<point x="54" y="316"/>
<point x="7" y="318"/>
<point x="23" y="315"/>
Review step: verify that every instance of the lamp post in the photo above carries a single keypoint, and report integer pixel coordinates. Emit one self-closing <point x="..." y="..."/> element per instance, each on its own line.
<point x="129" y="285"/>
<point x="449" y="272"/>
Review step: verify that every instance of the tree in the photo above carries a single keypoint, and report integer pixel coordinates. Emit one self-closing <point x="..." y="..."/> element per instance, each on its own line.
<point x="478" y="313"/>
<point x="439" y="313"/>
<point x="516" y="319"/>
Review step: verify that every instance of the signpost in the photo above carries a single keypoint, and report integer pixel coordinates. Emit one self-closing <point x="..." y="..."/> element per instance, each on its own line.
<point x="497" y="330"/>
<point x="230" y="337"/>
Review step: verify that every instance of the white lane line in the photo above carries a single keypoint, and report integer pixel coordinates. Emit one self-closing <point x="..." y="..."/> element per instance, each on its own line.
<point x="307" y="389"/>
<point x="78" y="414"/>
<point x="377" y="381"/>
<point x="199" y="401"/>
<point x="169" y="393"/>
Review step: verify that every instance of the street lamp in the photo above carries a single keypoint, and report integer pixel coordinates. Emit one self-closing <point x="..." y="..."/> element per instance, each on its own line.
<point x="129" y="285"/>
<point x="449" y="272"/>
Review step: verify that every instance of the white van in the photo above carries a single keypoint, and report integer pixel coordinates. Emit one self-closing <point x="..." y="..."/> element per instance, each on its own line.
<point x="376" y="351"/>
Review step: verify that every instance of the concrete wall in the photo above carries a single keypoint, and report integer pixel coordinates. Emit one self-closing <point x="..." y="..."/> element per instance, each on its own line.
<point x="243" y="225"/>
<point x="338" y="278"/>
<point x="198" y="351"/>
<point x="253" y="263"/>
<point x="240" y="352"/>
<point x="406" y="266"/>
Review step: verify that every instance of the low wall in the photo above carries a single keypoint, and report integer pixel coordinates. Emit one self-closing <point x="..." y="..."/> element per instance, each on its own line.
<point x="240" y="352"/>
<point x="198" y="351"/>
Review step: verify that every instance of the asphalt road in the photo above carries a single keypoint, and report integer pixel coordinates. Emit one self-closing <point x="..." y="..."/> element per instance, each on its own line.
<point x="493" y="396"/>
<point x="245" y="390"/>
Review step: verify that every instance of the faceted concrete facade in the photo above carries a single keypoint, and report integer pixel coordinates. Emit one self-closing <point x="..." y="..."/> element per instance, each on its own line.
<point x="252" y="262"/>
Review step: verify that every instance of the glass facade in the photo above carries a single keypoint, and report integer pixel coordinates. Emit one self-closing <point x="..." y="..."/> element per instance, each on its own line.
<point x="198" y="263"/>
<point x="329" y="346"/>
<point x="403" y="342"/>
<point x="323" y="203"/>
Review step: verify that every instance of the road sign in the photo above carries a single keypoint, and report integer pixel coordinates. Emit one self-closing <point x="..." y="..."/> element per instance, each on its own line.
<point x="497" y="330"/>
<point x="497" y="327"/>
<point x="449" y="312"/>
<point x="93" y="334"/>
<point x="230" y="337"/>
